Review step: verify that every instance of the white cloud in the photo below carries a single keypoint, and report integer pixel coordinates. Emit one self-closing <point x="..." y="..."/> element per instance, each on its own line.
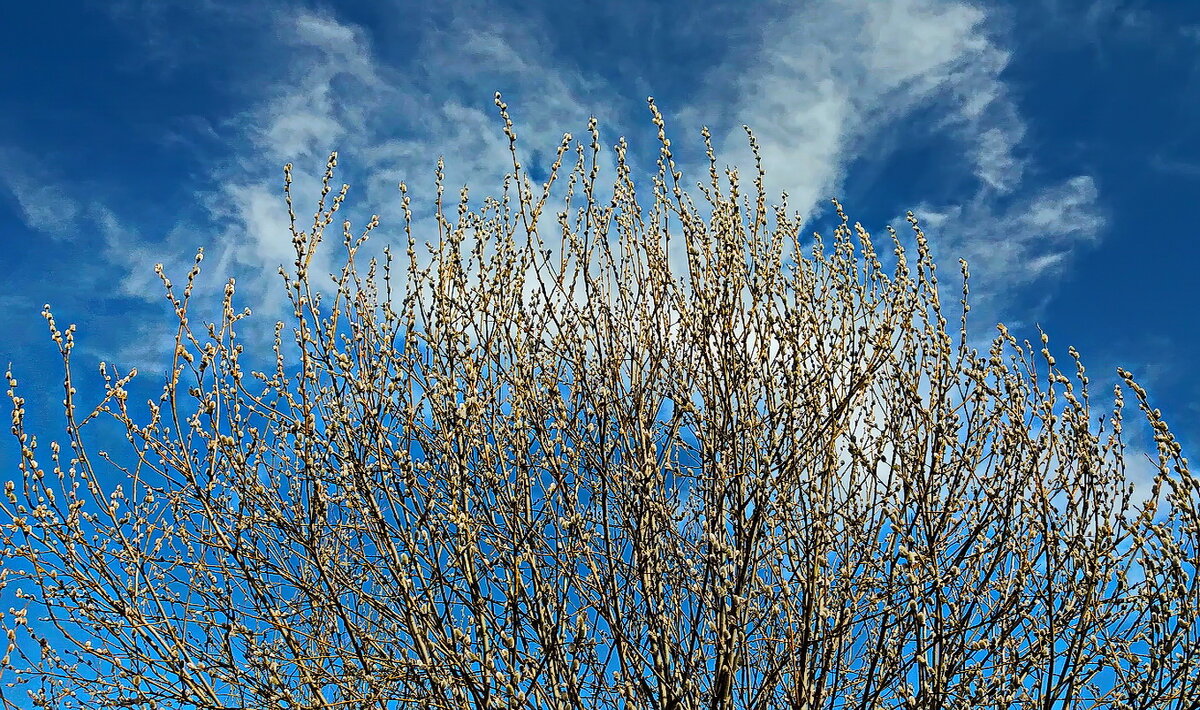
<point x="835" y="73"/>
<point x="995" y="163"/>
<point x="1066" y="209"/>
<point x="1013" y="244"/>
<point x="266" y="239"/>
<point x="310" y="113"/>
<point x="835" y="79"/>
<point x="42" y="204"/>
<point x="322" y="87"/>
<point x="818" y="86"/>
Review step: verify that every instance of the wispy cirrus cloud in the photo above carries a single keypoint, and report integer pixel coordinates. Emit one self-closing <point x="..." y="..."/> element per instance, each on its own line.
<point x="319" y="85"/>
<point x="823" y="85"/>
<point x="834" y="80"/>
<point x="39" y="201"/>
<point x="1015" y="243"/>
<point x="829" y="76"/>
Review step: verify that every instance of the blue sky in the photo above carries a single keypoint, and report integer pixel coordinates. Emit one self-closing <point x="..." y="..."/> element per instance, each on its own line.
<point x="1051" y="143"/>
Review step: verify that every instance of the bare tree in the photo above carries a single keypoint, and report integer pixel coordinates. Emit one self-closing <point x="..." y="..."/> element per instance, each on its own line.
<point x="683" y="460"/>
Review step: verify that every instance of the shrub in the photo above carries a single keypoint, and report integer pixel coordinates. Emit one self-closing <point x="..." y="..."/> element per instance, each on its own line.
<point x="680" y="459"/>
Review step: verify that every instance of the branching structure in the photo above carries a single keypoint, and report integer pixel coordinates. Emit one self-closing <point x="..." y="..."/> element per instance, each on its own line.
<point x="679" y="459"/>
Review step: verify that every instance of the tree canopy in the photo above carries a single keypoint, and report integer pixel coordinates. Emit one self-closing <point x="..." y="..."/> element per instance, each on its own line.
<point x="660" y="455"/>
